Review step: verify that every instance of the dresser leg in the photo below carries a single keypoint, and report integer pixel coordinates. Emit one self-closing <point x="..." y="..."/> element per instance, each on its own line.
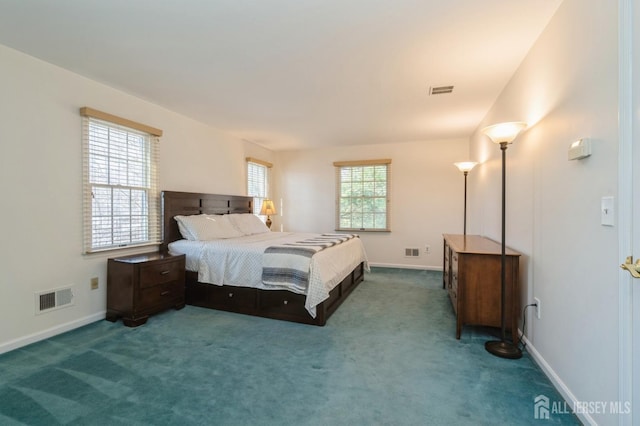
<point x="135" y="322"/>
<point x="179" y="306"/>
<point x="111" y="316"/>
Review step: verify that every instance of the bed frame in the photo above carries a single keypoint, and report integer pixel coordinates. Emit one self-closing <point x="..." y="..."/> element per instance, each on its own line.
<point x="276" y="304"/>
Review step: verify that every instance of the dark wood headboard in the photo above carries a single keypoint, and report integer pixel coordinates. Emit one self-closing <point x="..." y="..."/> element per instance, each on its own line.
<point x="188" y="203"/>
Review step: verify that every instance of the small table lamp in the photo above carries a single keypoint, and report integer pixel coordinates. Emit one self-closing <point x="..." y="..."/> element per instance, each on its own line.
<point x="267" y="209"/>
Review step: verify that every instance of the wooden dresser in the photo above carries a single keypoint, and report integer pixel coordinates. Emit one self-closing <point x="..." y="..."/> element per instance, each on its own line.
<point x="144" y="284"/>
<point x="472" y="266"/>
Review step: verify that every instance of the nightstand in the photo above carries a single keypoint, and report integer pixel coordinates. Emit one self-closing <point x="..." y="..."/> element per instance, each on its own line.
<point x="144" y="284"/>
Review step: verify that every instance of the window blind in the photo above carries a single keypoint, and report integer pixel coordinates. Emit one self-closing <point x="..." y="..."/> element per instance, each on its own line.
<point x="363" y="195"/>
<point x="121" y="201"/>
<point x="257" y="182"/>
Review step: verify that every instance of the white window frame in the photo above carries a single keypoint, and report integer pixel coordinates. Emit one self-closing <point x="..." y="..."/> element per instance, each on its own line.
<point x="258" y="172"/>
<point x="121" y="201"/>
<point x="366" y="197"/>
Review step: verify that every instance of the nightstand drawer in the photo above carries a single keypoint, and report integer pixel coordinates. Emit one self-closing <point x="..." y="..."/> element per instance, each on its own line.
<point x="161" y="294"/>
<point x="159" y="273"/>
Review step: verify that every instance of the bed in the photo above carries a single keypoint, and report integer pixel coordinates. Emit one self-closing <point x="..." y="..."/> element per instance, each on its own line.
<point x="204" y="289"/>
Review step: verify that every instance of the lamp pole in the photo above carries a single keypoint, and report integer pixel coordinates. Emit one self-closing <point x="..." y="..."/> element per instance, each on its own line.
<point x="503" y="253"/>
<point x="503" y="134"/>
<point x="465" y="203"/>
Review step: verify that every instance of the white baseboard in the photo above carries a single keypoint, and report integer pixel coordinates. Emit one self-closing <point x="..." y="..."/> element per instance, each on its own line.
<point x="50" y="332"/>
<point x="564" y="390"/>
<point x="402" y="266"/>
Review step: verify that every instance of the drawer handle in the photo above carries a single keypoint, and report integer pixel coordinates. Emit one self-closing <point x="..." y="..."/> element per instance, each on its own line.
<point x="164" y="272"/>
<point x="164" y="293"/>
<point x="286" y="302"/>
<point x="230" y="294"/>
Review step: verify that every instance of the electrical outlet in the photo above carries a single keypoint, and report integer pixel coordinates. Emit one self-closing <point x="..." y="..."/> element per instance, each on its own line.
<point x="538" y="307"/>
<point x="427" y="249"/>
<point x="94" y="283"/>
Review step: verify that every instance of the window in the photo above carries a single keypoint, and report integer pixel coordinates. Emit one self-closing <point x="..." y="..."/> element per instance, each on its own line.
<point x="363" y="195"/>
<point x="121" y="200"/>
<point x="257" y="181"/>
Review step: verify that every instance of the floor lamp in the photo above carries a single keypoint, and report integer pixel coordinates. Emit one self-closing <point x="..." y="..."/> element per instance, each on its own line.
<point x="465" y="167"/>
<point x="503" y="134"/>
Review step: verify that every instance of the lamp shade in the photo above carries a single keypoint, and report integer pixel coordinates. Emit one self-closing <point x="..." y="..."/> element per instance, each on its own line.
<point x="504" y="132"/>
<point x="465" y="166"/>
<point x="267" y="208"/>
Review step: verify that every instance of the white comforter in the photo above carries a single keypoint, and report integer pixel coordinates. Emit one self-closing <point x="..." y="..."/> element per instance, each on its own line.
<point x="238" y="262"/>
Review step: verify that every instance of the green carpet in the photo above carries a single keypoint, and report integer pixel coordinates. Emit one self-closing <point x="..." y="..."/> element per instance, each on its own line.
<point x="388" y="356"/>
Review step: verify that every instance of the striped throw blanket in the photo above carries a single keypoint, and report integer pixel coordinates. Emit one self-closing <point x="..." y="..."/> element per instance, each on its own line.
<point x="288" y="265"/>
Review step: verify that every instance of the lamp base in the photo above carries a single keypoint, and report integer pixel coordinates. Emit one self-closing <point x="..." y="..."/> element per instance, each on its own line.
<point x="503" y="349"/>
<point x="268" y="222"/>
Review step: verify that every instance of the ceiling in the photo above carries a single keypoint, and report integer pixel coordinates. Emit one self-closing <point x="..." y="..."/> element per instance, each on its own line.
<point x="293" y="74"/>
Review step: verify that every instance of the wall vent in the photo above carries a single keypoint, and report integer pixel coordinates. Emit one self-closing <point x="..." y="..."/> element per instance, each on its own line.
<point x="411" y="252"/>
<point x="440" y="90"/>
<point x="53" y="299"/>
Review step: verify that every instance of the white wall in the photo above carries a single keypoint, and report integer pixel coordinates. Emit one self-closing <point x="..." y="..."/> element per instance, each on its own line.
<point x="427" y="196"/>
<point x="566" y="89"/>
<point x="41" y="186"/>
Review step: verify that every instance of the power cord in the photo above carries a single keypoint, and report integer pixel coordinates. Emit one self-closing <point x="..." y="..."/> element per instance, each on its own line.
<point x="520" y="344"/>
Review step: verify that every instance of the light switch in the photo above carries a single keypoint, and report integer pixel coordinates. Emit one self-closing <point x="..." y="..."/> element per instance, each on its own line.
<point x="607" y="211"/>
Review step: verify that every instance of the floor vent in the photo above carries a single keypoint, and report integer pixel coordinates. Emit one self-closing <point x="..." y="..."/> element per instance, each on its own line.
<point x="411" y="252"/>
<point x="53" y="299"/>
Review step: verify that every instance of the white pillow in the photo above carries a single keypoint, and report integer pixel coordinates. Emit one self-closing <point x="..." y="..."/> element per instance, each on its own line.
<point x="205" y="227"/>
<point x="248" y="223"/>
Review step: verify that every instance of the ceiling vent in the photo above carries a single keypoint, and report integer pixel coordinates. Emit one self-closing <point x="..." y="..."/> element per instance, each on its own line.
<point x="440" y="90"/>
